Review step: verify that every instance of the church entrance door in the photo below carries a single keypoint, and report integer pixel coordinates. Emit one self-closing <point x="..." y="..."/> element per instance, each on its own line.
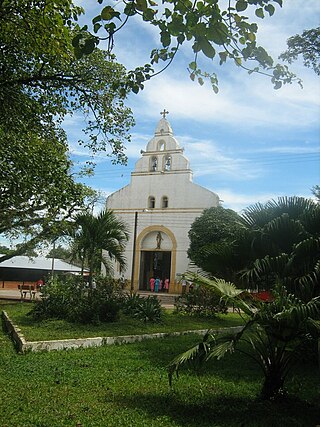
<point x="154" y="264"/>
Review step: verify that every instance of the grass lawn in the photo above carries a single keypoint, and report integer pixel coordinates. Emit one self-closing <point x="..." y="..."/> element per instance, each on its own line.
<point x="127" y="386"/>
<point x="60" y="329"/>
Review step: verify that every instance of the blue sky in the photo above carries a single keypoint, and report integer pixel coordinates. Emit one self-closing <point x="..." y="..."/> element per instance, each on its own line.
<point x="250" y="142"/>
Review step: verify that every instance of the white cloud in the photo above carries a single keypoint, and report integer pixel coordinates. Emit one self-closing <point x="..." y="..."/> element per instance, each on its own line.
<point x="207" y="158"/>
<point x="254" y="105"/>
<point x="288" y="149"/>
<point x="239" y="201"/>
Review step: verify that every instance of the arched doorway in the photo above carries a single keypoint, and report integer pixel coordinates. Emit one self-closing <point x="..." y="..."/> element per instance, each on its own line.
<point x="154" y="264"/>
<point x="156" y="255"/>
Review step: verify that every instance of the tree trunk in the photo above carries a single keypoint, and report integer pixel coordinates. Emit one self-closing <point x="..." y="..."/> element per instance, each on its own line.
<point x="273" y="383"/>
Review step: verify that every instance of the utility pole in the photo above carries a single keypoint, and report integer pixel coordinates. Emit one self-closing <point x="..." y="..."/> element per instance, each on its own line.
<point x="134" y="250"/>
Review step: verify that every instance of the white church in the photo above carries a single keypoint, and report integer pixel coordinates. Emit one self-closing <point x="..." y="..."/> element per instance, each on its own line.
<point x="159" y="206"/>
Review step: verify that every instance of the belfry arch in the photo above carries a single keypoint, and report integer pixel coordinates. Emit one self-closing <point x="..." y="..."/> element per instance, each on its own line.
<point x="156" y="251"/>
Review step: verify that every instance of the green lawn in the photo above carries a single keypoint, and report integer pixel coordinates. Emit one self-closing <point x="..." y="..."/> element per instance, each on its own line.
<point x="59" y="329"/>
<point x="127" y="386"/>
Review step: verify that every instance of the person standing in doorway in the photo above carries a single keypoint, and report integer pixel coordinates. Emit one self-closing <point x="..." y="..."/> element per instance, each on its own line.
<point x="166" y="285"/>
<point x="156" y="284"/>
<point x="184" y="286"/>
<point x="151" y="282"/>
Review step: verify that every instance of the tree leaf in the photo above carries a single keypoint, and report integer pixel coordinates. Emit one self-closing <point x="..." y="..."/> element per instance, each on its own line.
<point x="241" y="5"/>
<point x="97" y="27"/>
<point x="223" y="57"/>
<point x="89" y="46"/>
<point x="207" y="48"/>
<point x="215" y="89"/>
<point x="129" y="10"/>
<point x="107" y="13"/>
<point x="270" y="8"/>
<point x="259" y="13"/>
<point x="165" y="38"/>
<point x="218" y="33"/>
<point x="141" y="5"/>
<point x="148" y="14"/>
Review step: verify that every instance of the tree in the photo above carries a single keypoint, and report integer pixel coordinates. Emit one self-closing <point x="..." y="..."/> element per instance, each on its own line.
<point x="279" y="242"/>
<point x="41" y="83"/>
<point x="284" y="240"/>
<point x="316" y="192"/>
<point x="97" y="239"/>
<point x="4" y="249"/>
<point x="274" y="335"/>
<point x="60" y="252"/>
<point x="306" y="45"/>
<point x="214" y="29"/>
<point x="29" y="251"/>
<point x="37" y="189"/>
<point x="211" y="234"/>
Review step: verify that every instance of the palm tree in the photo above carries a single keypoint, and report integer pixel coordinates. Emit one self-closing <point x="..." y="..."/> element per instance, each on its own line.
<point x="99" y="239"/>
<point x="274" y="335"/>
<point x="279" y="243"/>
<point x="284" y="245"/>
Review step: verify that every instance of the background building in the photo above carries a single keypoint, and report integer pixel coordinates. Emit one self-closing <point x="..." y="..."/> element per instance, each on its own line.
<point x="159" y="206"/>
<point x="21" y="270"/>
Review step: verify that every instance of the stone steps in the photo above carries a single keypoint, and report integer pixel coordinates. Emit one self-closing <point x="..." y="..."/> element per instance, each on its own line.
<point x="165" y="299"/>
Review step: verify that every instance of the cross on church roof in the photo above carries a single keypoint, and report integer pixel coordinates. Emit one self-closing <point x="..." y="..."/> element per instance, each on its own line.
<point x="164" y="113"/>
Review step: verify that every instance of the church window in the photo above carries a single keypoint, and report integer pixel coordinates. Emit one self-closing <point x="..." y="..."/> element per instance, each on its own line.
<point x="167" y="163"/>
<point x="161" y="146"/>
<point x="151" y="202"/>
<point x="154" y="164"/>
<point x="165" y="202"/>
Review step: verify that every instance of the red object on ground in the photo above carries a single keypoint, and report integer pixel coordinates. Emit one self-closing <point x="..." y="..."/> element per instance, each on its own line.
<point x="265" y="296"/>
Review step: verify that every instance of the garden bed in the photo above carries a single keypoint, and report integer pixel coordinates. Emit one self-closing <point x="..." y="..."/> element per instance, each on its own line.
<point x="24" y="346"/>
<point x="53" y="329"/>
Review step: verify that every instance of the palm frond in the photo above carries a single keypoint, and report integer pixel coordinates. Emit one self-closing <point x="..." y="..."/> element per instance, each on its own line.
<point x="220" y="285"/>
<point x="313" y="328"/>
<point x="195" y="355"/>
<point x="220" y="350"/>
<point x="264" y="266"/>
<point x="299" y="311"/>
<point x="228" y="292"/>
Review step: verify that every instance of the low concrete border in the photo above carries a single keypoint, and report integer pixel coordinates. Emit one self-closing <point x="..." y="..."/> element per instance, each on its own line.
<point x="24" y="346"/>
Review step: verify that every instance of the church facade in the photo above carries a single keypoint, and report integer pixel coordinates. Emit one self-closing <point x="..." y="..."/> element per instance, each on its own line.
<point x="159" y="206"/>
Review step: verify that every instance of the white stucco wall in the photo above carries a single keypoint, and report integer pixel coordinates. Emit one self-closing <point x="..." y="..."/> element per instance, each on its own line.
<point x="186" y="200"/>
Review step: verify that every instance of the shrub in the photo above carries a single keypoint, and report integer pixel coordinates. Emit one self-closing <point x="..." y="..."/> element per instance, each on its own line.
<point x="200" y="301"/>
<point x="131" y="303"/>
<point x="145" y="309"/>
<point x="148" y="310"/>
<point x="70" y="298"/>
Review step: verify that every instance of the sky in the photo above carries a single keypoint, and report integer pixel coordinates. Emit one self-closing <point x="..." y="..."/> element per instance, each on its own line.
<point x="249" y="143"/>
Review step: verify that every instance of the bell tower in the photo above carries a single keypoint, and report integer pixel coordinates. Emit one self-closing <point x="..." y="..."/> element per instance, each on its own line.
<point x="163" y="155"/>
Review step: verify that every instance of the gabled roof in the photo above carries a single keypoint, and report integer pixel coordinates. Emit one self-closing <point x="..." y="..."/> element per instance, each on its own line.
<point x="39" y="263"/>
